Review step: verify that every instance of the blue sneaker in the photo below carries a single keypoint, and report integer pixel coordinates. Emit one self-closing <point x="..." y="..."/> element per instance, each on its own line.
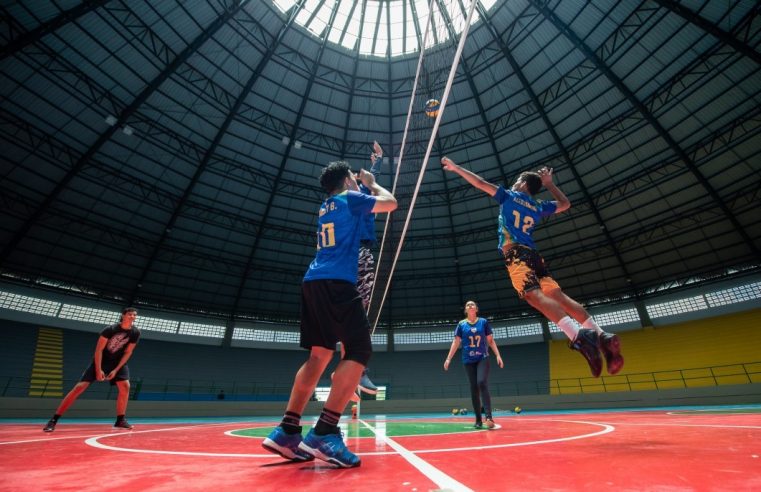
<point x="286" y="445"/>
<point x="330" y="448"/>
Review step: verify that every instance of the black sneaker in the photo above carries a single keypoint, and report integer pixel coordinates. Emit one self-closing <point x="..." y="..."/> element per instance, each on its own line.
<point x="586" y="343"/>
<point x="122" y="424"/>
<point x="610" y="346"/>
<point x="478" y="425"/>
<point x="50" y="427"/>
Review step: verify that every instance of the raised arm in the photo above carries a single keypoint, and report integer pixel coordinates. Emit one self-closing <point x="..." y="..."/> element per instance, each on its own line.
<point x="384" y="200"/>
<point x="376" y="158"/>
<point x="472" y="178"/>
<point x="563" y="202"/>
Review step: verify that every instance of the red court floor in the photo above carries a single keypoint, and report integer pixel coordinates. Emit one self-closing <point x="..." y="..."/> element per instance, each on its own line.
<point x="716" y="449"/>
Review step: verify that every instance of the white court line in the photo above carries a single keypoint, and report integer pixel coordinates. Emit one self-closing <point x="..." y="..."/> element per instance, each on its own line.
<point x="606" y="429"/>
<point x="113" y="433"/>
<point x="435" y="475"/>
<point x="719" y="426"/>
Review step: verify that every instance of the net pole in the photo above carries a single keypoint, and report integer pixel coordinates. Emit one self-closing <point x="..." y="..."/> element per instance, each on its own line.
<point x="442" y="107"/>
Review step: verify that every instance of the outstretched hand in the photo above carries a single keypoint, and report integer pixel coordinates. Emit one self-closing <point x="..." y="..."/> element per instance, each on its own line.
<point x="448" y="164"/>
<point x="545" y="174"/>
<point x="377" y="152"/>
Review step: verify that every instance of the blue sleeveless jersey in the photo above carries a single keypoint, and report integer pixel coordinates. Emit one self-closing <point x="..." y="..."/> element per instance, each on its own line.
<point x="474" y="344"/>
<point x="518" y="215"/>
<point x="339" y="229"/>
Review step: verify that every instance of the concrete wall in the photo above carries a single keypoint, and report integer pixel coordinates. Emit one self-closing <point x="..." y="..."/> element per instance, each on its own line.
<point x="43" y="408"/>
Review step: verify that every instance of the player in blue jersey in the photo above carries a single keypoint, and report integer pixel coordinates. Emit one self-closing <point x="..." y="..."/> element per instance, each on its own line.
<point x="519" y="213"/>
<point x="477" y="334"/>
<point x="366" y="272"/>
<point x="332" y="311"/>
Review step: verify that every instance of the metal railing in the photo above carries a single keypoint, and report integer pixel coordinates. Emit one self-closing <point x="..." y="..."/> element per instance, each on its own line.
<point x="199" y="390"/>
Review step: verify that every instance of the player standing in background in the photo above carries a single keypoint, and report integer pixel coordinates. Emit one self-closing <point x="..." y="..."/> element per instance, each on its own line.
<point x="113" y="350"/>
<point x="475" y="358"/>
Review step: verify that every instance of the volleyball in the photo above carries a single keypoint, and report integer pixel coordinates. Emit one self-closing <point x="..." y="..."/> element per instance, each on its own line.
<point x="432" y="108"/>
<point x="517" y="409"/>
<point x="455" y="411"/>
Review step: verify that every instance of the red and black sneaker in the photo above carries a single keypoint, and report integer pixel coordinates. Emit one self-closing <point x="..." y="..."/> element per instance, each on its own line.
<point x="610" y="346"/>
<point x="122" y="424"/>
<point x="586" y="342"/>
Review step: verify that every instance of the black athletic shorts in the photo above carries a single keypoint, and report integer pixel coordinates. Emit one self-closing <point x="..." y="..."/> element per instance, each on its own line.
<point x="332" y="312"/>
<point x="89" y="374"/>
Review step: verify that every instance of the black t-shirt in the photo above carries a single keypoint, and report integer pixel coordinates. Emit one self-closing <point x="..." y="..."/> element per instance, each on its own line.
<point x="118" y="339"/>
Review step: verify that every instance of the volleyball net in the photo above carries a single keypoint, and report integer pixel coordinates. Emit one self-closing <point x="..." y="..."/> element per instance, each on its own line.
<point x="446" y="28"/>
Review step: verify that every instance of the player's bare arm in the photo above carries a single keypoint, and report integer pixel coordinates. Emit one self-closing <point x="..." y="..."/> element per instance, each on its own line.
<point x="563" y="202"/>
<point x="384" y="200"/>
<point x="377" y="152"/>
<point x="474" y="179"/>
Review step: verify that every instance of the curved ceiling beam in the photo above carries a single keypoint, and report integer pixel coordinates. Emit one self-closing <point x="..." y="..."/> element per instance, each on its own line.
<point x="284" y="161"/>
<point x="121" y="120"/>
<point x="342" y="154"/>
<point x="559" y="144"/>
<point x="714" y="30"/>
<point x="213" y="147"/>
<point x="30" y="37"/>
<point x="615" y="80"/>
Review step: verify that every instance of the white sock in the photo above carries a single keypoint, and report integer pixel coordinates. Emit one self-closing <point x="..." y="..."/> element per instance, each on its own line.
<point x="567" y="326"/>
<point x="591" y="325"/>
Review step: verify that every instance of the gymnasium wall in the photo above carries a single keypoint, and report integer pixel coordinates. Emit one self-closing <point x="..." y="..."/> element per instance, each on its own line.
<point x="671" y="352"/>
<point x="690" y="347"/>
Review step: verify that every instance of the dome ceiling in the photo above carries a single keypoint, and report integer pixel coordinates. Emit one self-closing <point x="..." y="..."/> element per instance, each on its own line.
<point x="167" y="153"/>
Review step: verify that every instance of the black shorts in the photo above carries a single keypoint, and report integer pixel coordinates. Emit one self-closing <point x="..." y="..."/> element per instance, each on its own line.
<point x="332" y="312"/>
<point x="89" y="374"/>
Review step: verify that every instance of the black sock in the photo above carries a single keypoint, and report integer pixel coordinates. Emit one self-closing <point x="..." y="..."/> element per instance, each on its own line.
<point x="56" y="417"/>
<point x="328" y="422"/>
<point x="291" y="423"/>
<point x="119" y="418"/>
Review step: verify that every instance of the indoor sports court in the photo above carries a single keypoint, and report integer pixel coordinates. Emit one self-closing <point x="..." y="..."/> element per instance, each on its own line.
<point x="397" y="245"/>
<point x="646" y="449"/>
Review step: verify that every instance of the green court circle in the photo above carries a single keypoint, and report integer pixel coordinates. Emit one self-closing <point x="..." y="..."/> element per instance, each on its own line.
<point x="390" y="429"/>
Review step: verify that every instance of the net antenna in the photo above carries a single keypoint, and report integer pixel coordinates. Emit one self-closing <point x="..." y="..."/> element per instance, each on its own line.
<point x="442" y="107"/>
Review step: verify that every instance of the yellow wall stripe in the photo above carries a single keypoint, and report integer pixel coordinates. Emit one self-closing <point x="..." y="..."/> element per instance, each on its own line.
<point x="672" y="356"/>
<point x="47" y="368"/>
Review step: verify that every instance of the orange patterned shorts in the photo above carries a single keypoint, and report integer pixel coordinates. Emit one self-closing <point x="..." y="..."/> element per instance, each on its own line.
<point x="527" y="270"/>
